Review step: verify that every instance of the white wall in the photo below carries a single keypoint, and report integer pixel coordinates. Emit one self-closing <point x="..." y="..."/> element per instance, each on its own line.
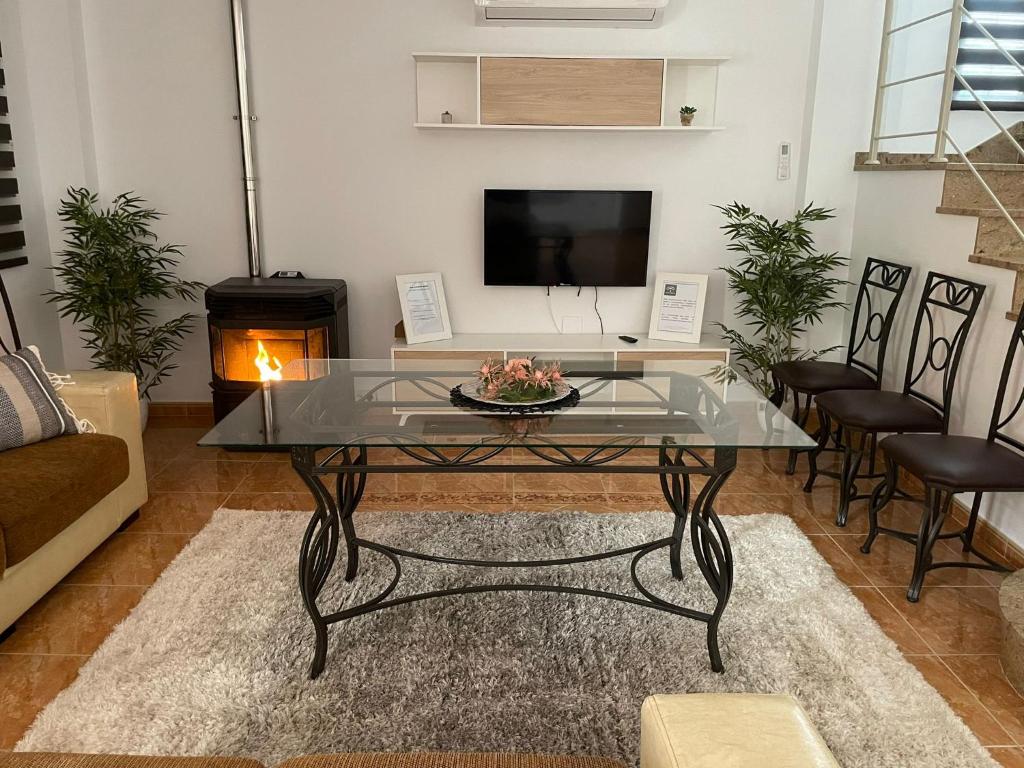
<point x="350" y="189"/>
<point x="838" y="121"/>
<point x="896" y="220"/>
<point x="162" y="97"/>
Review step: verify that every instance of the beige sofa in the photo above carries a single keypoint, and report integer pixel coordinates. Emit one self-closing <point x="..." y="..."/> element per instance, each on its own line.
<point x="83" y="487"/>
<point x="729" y="730"/>
<point x="700" y="730"/>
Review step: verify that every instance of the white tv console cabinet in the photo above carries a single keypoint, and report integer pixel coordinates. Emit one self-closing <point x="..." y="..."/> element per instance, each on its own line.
<point x="465" y="352"/>
<point x="563" y="346"/>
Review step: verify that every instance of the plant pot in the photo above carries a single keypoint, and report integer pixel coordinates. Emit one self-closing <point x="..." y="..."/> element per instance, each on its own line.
<point x="686" y="119"/>
<point x="143" y="412"/>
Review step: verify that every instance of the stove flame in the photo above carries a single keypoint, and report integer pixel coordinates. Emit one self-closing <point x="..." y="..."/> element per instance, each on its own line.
<point x="269" y="366"/>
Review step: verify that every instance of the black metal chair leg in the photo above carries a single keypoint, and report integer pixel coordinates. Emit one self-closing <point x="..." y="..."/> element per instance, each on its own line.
<point x="824" y="434"/>
<point x="968" y="535"/>
<point x="880" y="498"/>
<point x="931" y="526"/>
<point x="852" y="458"/>
<point x="800" y="417"/>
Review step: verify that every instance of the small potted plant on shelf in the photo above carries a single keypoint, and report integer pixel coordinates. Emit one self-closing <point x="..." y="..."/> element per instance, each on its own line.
<point x="686" y="114"/>
<point x="113" y="274"/>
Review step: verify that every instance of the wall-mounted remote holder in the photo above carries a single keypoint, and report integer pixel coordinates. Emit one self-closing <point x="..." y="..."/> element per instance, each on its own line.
<point x="785" y="160"/>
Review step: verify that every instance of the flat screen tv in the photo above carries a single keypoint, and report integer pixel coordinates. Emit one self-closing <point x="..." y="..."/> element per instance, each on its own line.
<point x="548" y="237"/>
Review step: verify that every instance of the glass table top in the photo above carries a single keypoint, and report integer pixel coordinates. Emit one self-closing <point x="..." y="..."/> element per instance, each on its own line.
<point x="407" y="402"/>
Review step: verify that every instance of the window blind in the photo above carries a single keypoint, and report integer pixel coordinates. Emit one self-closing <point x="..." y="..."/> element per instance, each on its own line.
<point x="12" y="236"/>
<point x="990" y="74"/>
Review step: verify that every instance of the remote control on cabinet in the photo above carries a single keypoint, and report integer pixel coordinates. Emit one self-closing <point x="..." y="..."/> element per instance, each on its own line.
<point x="628" y="339"/>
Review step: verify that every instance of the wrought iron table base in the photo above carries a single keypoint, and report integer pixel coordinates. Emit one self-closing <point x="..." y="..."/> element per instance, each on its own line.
<point x="332" y="523"/>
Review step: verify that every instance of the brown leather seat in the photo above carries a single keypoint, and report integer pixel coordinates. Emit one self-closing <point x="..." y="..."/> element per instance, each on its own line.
<point x="45" y="487"/>
<point x="964" y="463"/>
<point x="815" y="376"/>
<point x="875" y="411"/>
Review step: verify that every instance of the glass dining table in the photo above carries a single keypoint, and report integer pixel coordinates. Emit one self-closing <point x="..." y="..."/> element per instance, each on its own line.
<point x="343" y="420"/>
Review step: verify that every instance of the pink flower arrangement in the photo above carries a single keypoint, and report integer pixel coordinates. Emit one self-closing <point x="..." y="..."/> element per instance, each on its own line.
<point x="518" y="380"/>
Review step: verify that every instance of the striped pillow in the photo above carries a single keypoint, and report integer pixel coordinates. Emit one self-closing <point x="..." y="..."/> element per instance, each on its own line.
<point x="30" y="409"/>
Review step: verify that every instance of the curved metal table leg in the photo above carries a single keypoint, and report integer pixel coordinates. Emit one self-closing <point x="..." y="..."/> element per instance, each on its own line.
<point x="676" y="489"/>
<point x="713" y="553"/>
<point x="332" y="520"/>
<point x="320" y="541"/>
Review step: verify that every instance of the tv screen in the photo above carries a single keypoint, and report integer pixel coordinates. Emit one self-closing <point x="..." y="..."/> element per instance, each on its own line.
<point x="544" y="237"/>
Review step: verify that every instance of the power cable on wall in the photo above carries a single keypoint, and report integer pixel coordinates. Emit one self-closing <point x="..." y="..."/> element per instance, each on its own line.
<point x="598" y="311"/>
<point x="551" y="311"/>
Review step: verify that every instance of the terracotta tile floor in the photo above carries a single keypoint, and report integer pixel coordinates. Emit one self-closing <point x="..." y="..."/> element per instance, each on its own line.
<point x="951" y="635"/>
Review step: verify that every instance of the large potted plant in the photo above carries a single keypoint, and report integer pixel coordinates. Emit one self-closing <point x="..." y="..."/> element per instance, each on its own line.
<point x="112" y="273"/>
<point x="783" y="287"/>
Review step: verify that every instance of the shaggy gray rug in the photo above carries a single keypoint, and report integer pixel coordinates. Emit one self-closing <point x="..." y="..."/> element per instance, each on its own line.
<point x="214" y="658"/>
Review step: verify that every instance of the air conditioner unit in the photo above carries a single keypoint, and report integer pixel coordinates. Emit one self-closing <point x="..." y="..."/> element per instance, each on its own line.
<point x="574" y="13"/>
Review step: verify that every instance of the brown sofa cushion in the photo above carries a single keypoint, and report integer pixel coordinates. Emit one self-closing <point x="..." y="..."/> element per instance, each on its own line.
<point x="448" y="760"/>
<point x="62" y="760"/>
<point x="45" y="487"/>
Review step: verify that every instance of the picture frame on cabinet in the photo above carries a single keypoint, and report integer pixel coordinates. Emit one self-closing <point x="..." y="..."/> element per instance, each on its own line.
<point x="424" y="307"/>
<point x="677" y="311"/>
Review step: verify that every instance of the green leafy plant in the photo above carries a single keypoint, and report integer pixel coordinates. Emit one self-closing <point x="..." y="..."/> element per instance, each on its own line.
<point x="783" y="286"/>
<point x="687" y="110"/>
<point x="112" y="273"/>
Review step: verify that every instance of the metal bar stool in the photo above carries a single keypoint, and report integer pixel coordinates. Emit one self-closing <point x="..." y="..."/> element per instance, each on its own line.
<point x="948" y="465"/>
<point x="879" y="295"/>
<point x="861" y="415"/>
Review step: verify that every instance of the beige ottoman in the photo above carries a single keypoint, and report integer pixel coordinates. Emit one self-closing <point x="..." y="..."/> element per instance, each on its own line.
<point x="728" y="730"/>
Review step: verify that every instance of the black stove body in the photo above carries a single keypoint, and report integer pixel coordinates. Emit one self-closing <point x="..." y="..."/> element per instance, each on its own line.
<point x="259" y="325"/>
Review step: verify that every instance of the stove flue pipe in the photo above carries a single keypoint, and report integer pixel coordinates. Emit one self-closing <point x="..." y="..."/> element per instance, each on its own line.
<point x="245" y="120"/>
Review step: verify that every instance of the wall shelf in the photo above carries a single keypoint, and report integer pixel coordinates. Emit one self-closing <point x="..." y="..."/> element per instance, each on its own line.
<point x="455" y="82"/>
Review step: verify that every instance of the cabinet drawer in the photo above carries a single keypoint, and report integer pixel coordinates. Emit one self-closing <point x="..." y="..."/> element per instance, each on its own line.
<point x="461" y="364"/>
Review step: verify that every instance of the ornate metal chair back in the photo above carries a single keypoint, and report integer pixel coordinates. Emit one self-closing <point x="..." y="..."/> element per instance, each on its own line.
<point x="1012" y="373"/>
<point x="878" y="298"/>
<point x="944" y="319"/>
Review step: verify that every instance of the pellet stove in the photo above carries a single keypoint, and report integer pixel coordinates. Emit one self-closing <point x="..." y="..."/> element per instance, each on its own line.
<point x="259" y="325"/>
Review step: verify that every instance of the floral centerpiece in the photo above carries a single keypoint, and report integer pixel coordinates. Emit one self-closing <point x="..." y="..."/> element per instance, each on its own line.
<point x="520" y="380"/>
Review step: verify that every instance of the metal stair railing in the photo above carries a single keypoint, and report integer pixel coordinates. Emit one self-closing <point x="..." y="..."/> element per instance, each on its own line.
<point x="951" y="77"/>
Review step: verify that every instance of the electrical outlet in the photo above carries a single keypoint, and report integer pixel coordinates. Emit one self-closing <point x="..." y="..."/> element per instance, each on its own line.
<point x="572" y="324"/>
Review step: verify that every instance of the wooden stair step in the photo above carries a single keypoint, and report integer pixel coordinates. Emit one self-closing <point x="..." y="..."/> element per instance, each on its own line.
<point x="962" y="190"/>
<point x="981" y="213"/>
<point x="1013" y="262"/>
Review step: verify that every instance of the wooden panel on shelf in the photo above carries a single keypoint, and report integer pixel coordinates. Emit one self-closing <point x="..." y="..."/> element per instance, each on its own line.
<point x="551" y="91"/>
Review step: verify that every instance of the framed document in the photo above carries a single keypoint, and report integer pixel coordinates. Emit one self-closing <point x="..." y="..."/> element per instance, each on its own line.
<point x="424" y="309"/>
<point x="678" y="310"/>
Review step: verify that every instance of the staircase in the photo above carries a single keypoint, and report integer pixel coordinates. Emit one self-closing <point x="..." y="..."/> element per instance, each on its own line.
<point x="986" y="181"/>
<point x="997" y="243"/>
